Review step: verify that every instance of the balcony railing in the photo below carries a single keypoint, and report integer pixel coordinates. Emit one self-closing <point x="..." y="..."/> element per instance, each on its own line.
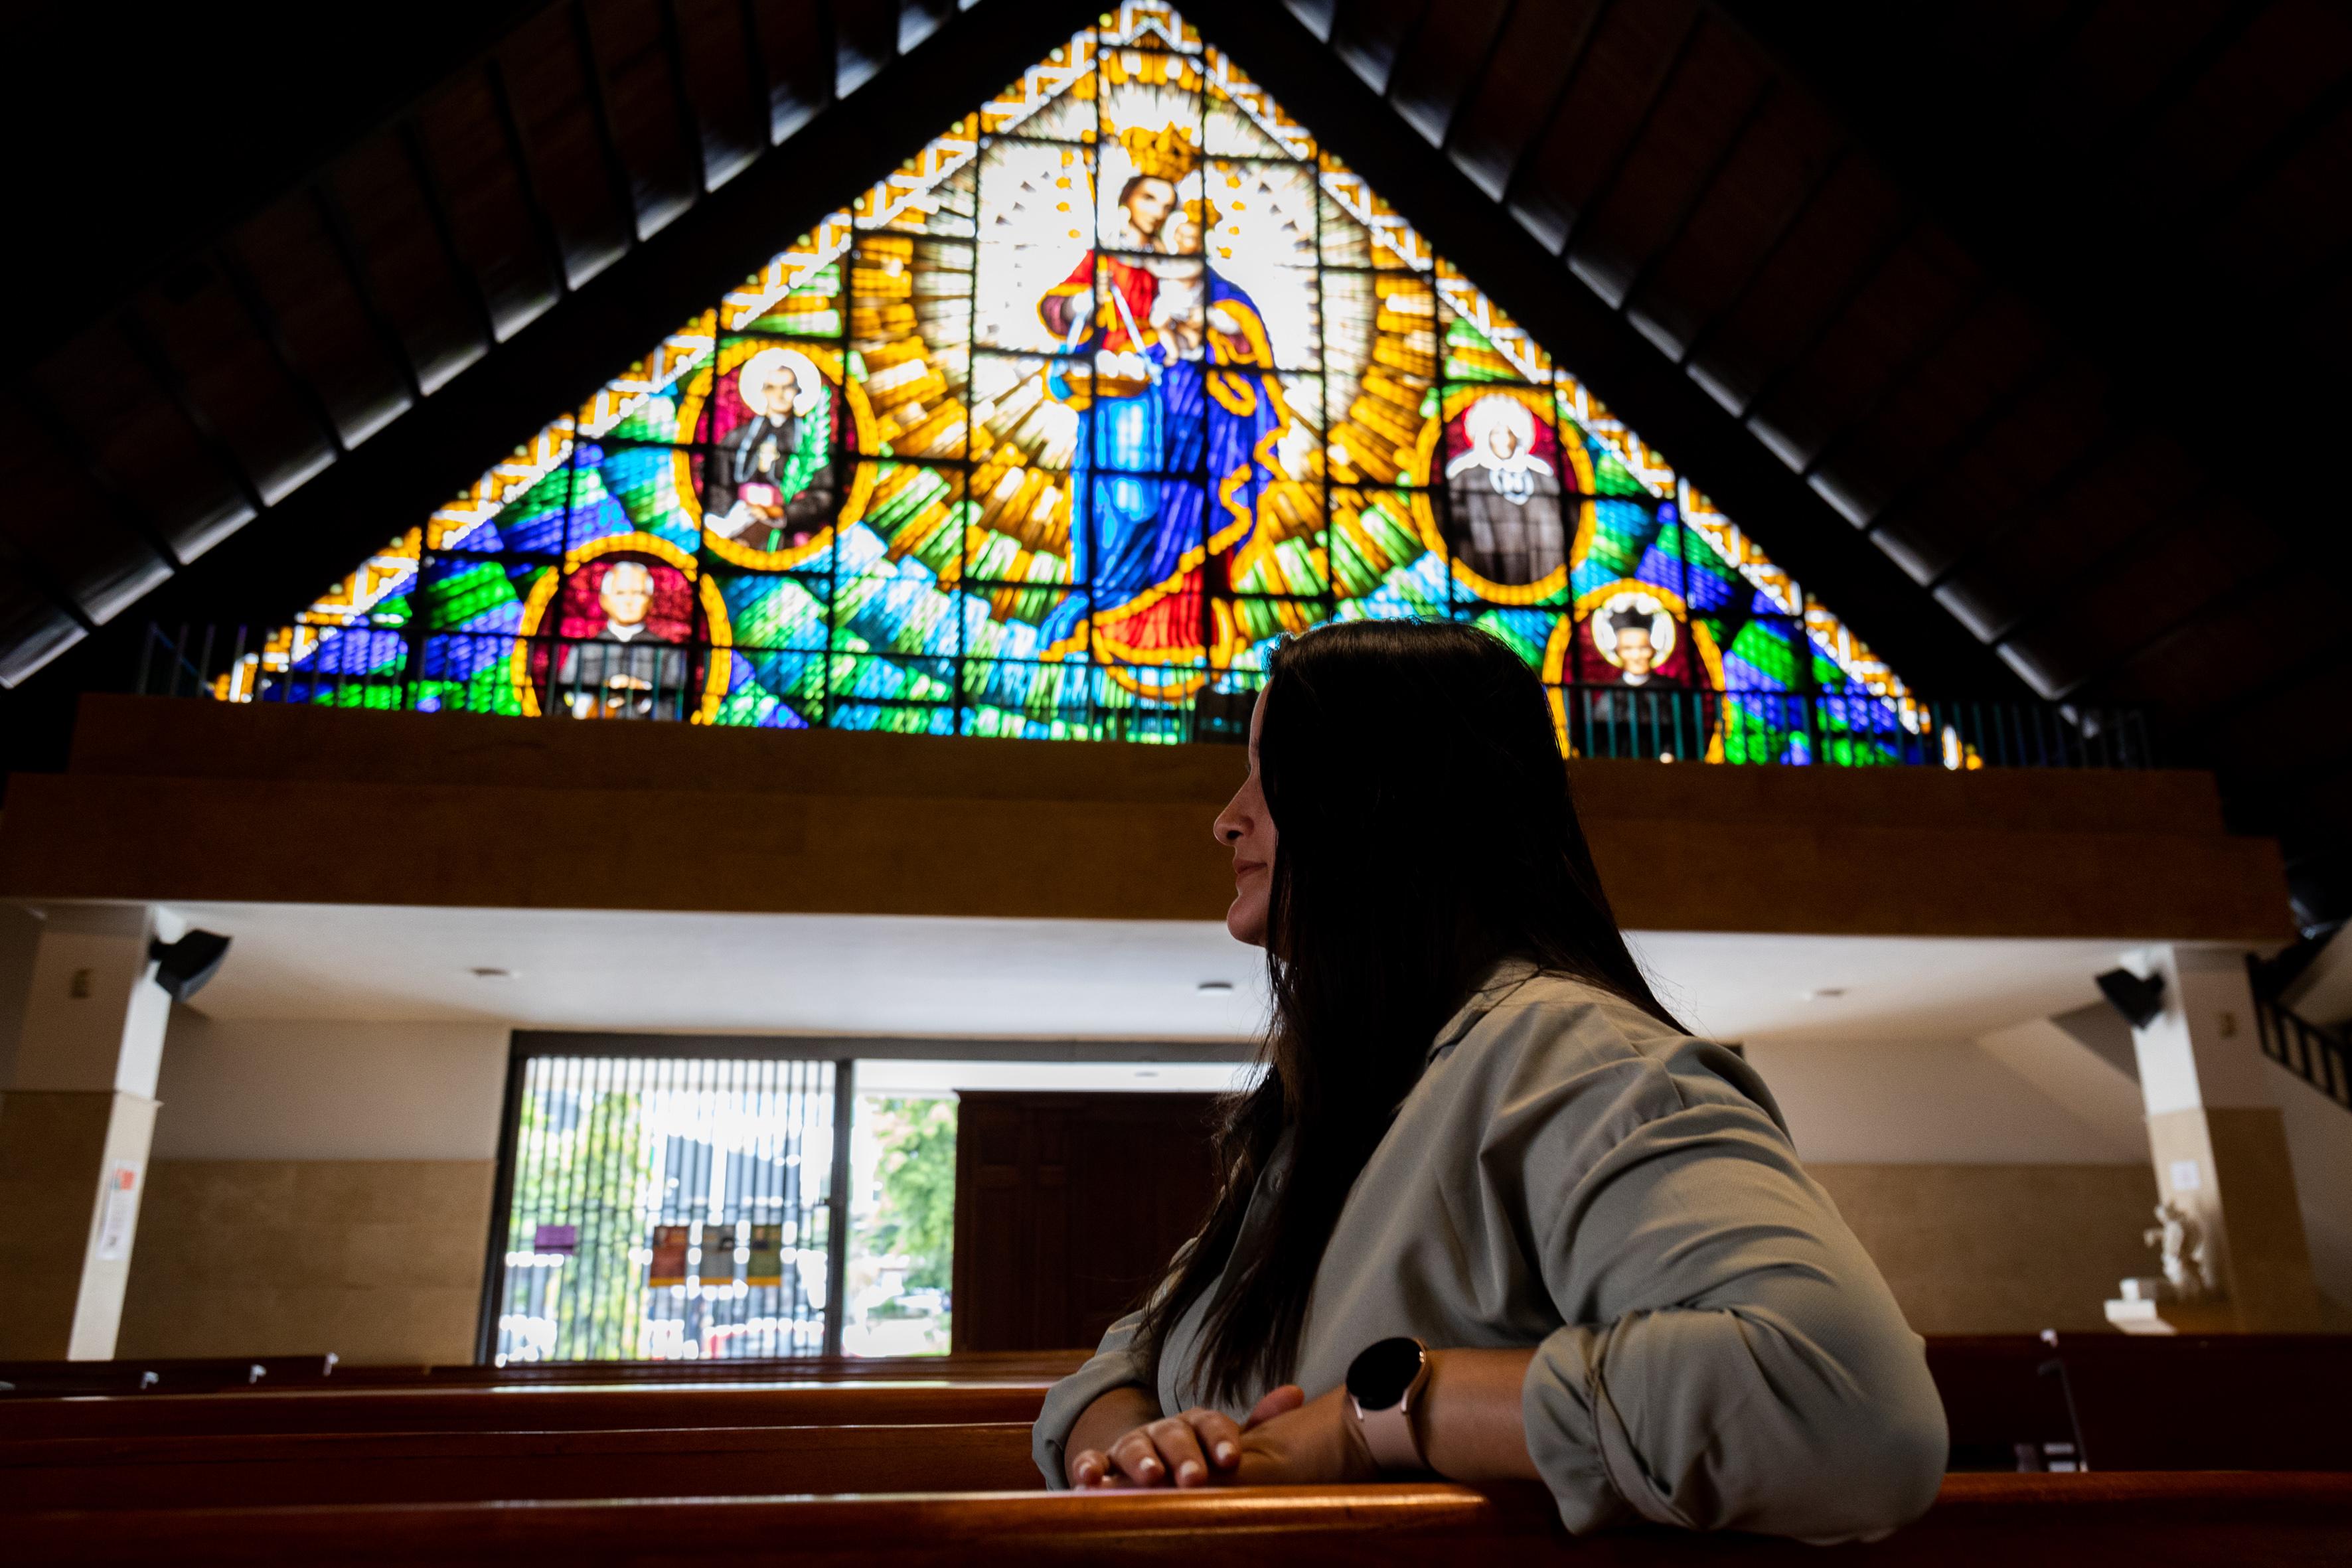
<point x="393" y="669"/>
<point x="2322" y="1057"/>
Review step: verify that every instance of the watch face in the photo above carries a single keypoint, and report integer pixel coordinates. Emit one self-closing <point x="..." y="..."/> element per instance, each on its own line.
<point x="1379" y="1377"/>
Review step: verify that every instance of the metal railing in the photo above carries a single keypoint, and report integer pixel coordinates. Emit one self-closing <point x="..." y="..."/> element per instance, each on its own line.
<point x="2322" y="1057"/>
<point x="660" y="1208"/>
<point x="395" y="669"/>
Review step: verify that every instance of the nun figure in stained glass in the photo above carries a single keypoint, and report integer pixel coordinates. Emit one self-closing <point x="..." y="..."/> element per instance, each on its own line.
<point x="1506" y="494"/>
<point x="1113" y="382"/>
<point x="765" y="463"/>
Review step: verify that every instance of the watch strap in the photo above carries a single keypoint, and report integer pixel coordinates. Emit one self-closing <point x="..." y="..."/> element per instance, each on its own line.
<point x="1389" y="1433"/>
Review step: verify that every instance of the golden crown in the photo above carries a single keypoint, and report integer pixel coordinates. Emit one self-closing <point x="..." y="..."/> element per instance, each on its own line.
<point x="1162" y="155"/>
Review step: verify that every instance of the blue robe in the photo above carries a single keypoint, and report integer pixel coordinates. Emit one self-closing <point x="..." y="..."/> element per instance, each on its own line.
<point x="1217" y="410"/>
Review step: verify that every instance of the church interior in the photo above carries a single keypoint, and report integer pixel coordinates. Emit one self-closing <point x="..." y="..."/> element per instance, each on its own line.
<point x="621" y="624"/>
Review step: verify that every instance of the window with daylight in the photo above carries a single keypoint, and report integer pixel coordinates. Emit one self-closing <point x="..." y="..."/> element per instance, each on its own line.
<point x="667" y="1208"/>
<point x="1052" y="434"/>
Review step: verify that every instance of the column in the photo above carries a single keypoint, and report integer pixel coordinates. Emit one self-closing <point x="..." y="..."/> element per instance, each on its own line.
<point x="75" y="1124"/>
<point x="2219" y="1143"/>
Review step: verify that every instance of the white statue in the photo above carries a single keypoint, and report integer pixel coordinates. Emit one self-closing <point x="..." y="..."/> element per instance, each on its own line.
<point x="2188" y="1267"/>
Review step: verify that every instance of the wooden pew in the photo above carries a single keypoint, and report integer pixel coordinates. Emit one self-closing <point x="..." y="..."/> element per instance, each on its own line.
<point x="2239" y="1401"/>
<point x="113" y="1473"/>
<point x="2018" y="1521"/>
<point x="2003" y="1400"/>
<point x="1037" y="1368"/>
<point x="526" y="1409"/>
<point x="215" y="1375"/>
<point x="207" y="1374"/>
<point x="2116" y="1402"/>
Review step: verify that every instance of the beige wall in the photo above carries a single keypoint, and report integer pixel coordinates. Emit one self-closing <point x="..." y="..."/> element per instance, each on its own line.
<point x="377" y="1261"/>
<point x="2319" y="1142"/>
<point x="1982" y="1249"/>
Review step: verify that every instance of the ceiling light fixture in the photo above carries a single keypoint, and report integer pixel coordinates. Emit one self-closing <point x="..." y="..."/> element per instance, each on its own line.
<point x="1215" y="985"/>
<point x="492" y="974"/>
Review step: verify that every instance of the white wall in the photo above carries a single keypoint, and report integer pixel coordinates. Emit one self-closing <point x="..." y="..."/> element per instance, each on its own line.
<point x="279" y="1090"/>
<point x="1924" y="1103"/>
<point x="2320" y="1144"/>
<point x="275" y="1089"/>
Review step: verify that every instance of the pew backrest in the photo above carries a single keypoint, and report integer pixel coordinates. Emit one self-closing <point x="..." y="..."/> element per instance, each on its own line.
<point x="276" y="1470"/>
<point x="2003" y="1401"/>
<point x="2017" y="1521"/>
<point x="2239" y="1401"/>
<point x="1040" y="1368"/>
<point x="523" y="1409"/>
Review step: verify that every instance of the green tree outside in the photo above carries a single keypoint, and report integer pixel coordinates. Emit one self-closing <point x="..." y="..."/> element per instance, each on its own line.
<point x="598" y="1302"/>
<point x="916" y="1219"/>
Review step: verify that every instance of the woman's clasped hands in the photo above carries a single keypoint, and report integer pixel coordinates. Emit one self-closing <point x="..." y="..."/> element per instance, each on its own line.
<point x="1289" y="1440"/>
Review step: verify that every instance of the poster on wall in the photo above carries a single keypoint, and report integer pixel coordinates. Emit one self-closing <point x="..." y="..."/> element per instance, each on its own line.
<point x="669" y="1255"/>
<point x="716" y="1266"/>
<point x="767" y="1262"/>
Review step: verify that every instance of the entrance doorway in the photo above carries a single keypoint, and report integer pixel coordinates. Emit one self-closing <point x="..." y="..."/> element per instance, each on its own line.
<point x="1068" y="1208"/>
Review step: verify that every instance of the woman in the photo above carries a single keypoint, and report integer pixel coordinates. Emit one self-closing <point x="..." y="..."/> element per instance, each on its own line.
<point x="1492" y="1213"/>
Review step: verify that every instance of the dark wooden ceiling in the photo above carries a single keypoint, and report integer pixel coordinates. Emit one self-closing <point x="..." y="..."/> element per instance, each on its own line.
<point x="2010" y="327"/>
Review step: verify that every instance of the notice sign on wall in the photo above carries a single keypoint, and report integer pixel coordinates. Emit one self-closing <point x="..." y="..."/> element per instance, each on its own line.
<point x="767" y="1264"/>
<point x="669" y="1255"/>
<point x="117" y="1214"/>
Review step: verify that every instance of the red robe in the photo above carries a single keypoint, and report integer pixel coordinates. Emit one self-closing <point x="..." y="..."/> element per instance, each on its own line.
<point x="1137" y="285"/>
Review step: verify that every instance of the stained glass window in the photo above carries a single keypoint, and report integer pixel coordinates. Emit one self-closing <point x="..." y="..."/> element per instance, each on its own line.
<point x="1052" y="434"/>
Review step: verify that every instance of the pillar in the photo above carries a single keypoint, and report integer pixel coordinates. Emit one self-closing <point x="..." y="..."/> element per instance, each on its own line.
<point x="75" y="1124"/>
<point x="2218" y="1143"/>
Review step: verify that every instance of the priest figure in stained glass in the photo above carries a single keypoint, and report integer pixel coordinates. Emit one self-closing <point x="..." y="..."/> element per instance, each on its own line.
<point x="625" y="661"/>
<point x="758" y="492"/>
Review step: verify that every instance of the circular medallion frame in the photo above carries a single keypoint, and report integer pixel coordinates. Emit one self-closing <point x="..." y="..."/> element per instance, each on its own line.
<point x="714" y="612"/>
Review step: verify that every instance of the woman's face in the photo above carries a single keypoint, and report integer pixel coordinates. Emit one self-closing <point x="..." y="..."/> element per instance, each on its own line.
<point x="1246" y="827"/>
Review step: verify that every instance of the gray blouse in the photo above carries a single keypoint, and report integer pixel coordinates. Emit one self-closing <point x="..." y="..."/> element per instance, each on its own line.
<point x="1713" y="1347"/>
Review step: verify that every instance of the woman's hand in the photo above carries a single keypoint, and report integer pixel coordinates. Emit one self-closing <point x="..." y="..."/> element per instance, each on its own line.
<point x="1294" y="1441"/>
<point x="1184" y="1450"/>
<point x="1286" y="1441"/>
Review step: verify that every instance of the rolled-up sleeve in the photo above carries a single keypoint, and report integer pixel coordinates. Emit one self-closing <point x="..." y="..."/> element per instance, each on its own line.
<point x="1731" y="1358"/>
<point x="1113" y="1365"/>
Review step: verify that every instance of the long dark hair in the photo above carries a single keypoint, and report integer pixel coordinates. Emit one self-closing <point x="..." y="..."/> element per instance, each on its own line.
<point x="1425" y="833"/>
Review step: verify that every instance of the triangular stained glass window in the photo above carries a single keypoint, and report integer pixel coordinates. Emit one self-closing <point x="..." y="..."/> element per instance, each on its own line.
<point x="1052" y="434"/>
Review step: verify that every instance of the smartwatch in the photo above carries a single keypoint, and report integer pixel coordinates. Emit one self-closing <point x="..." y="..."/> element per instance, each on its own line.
<point x="1383" y="1380"/>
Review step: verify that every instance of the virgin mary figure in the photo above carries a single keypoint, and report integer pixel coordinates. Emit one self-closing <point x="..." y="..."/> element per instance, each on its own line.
<point x="1113" y="381"/>
<point x="1224" y="417"/>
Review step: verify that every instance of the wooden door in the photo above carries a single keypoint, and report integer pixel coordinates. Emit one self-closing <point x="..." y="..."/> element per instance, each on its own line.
<point x="1068" y="1208"/>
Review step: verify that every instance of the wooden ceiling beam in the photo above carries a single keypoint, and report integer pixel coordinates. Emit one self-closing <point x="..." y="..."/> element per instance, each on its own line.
<point x="1801" y="531"/>
<point x="277" y="564"/>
